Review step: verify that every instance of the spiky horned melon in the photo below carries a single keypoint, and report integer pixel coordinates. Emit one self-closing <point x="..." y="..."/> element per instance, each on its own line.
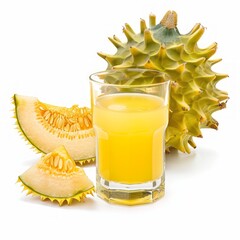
<point x="47" y="127"/>
<point x="56" y="177"/>
<point x="194" y="96"/>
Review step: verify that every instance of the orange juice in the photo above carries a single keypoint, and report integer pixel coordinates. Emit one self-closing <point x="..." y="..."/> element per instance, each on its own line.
<point x="130" y="136"/>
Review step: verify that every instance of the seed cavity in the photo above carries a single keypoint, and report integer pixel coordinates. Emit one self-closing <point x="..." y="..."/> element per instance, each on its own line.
<point x="67" y="120"/>
<point x="57" y="165"/>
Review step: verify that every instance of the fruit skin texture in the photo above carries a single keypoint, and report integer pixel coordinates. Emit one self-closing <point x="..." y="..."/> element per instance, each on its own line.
<point x="193" y="96"/>
<point x="46" y="127"/>
<point x="56" y="177"/>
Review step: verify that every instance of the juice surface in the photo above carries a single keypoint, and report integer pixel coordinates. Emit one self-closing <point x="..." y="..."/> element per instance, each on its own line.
<point x="130" y="136"/>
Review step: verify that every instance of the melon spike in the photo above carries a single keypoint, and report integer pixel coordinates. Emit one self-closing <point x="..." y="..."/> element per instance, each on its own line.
<point x="117" y="44"/>
<point x="129" y="28"/>
<point x="129" y="35"/>
<point x="60" y="201"/>
<point x="152" y="20"/>
<point x="143" y="25"/>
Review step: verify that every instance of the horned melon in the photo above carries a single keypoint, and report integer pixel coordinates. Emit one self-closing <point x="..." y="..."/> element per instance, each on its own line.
<point x="56" y="177"/>
<point x="194" y="96"/>
<point x="46" y="127"/>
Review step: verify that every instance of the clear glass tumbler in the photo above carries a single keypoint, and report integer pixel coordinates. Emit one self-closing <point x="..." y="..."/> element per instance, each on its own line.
<point x="130" y="116"/>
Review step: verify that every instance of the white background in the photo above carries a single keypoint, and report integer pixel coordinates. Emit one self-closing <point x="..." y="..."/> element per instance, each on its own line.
<point x="48" y="49"/>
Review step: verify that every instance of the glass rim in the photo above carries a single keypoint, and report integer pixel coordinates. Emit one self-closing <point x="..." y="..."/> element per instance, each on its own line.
<point x="93" y="78"/>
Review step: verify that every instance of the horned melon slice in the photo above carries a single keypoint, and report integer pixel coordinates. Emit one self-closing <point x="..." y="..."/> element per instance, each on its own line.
<point x="46" y="127"/>
<point x="56" y="177"/>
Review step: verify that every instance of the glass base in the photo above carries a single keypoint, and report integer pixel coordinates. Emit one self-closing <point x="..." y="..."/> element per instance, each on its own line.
<point x="130" y="194"/>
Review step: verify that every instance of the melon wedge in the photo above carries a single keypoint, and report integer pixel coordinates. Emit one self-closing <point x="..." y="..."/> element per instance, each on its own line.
<point x="56" y="177"/>
<point x="46" y="127"/>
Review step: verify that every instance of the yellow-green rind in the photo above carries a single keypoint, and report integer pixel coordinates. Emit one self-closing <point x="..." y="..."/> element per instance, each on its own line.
<point x="79" y="196"/>
<point x="20" y="130"/>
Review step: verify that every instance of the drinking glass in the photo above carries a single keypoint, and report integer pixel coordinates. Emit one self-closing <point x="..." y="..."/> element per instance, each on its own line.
<point x="130" y="116"/>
